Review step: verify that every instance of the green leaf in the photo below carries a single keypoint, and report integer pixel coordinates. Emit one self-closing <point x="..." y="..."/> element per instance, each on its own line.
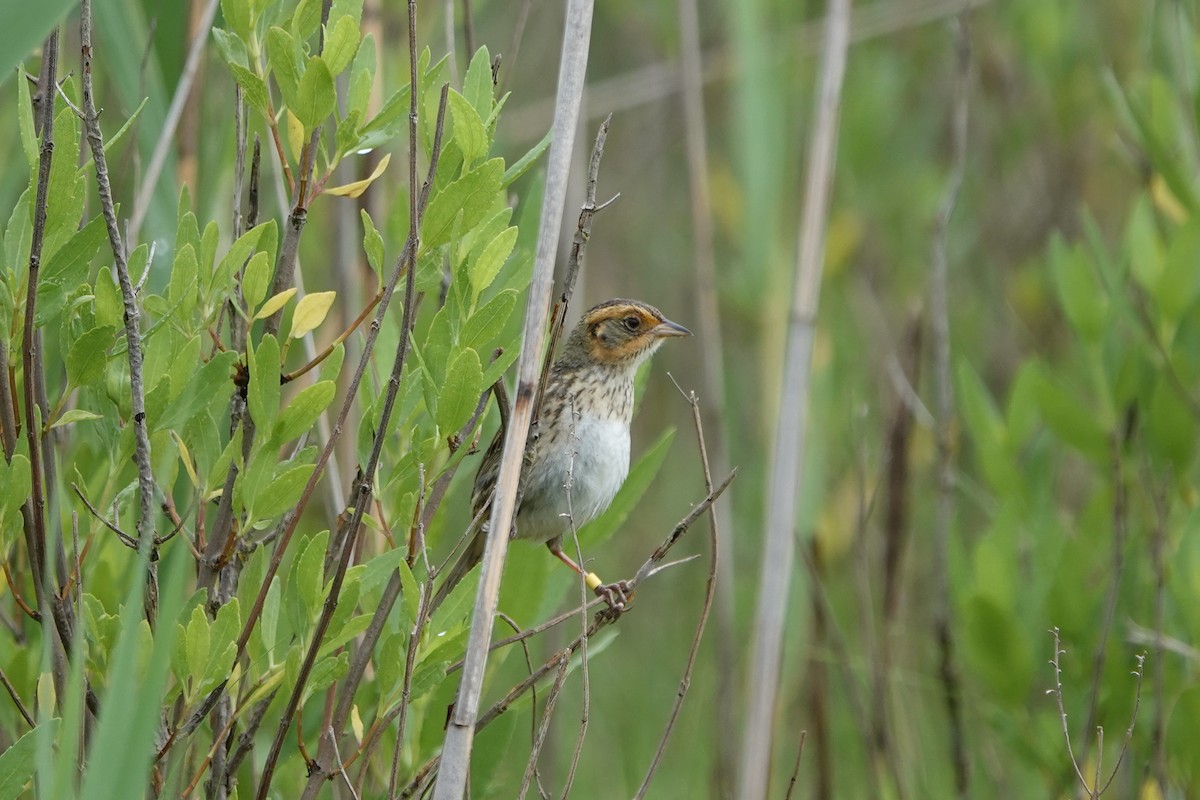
<point x="491" y="260"/>
<point x="210" y="384"/>
<point x="316" y="97"/>
<point x="1143" y="245"/>
<point x="19" y="762"/>
<point x="68" y="268"/>
<point x="182" y="289"/>
<point x="235" y="258"/>
<point x="15" y="488"/>
<point x="303" y="411"/>
<point x="387" y="123"/>
<point x="372" y="244"/>
<point x="341" y="44"/>
<point x="489" y="320"/>
<point x="231" y="48"/>
<point x="409" y="590"/>
<point x="253" y="87"/>
<point x="286" y="59"/>
<point x="223" y="641"/>
<point x="362" y="78"/>
<point x="987" y="428"/>
<point x="237" y="17"/>
<point x="346" y="8"/>
<point x="86" y="360"/>
<point x="473" y="195"/>
<point x="283" y="491"/>
<point x="460" y="392"/>
<point x="526" y="161"/>
<point x="1171" y="427"/>
<point x="75" y="415"/>
<point x="469" y="132"/>
<point x="477" y="86"/>
<point x="196" y="641"/>
<point x="1071" y="420"/>
<point x="263" y="393"/>
<point x="254" y="280"/>
<point x="269" y="627"/>
<point x="1080" y="294"/>
<point x="332" y="366"/>
<point x="1178" y="284"/>
<point x="305" y="588"/>
<point x="64" y="206"/>
<point x="996" y="647"/>
<point x="306" y="19"/>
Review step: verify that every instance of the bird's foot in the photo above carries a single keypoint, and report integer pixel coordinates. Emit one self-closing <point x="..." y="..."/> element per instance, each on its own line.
<point x="618" y="595"/>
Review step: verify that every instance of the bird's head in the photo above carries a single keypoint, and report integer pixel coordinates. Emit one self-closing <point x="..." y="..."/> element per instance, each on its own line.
<point x="622" y="333"/>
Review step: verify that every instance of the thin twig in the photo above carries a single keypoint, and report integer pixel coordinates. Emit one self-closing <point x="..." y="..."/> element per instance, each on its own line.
<point x="16" y="698"/>
<point x="145" y="521"/>
<point x="540" y="738"/>
<point x="710" y="589"/>
<point x="1094" y="790"/>
<point x="1057" y="691"/>
<point x="796" y="768"/>
<point x="30" y="358"/>
<point x="125" y="538"/>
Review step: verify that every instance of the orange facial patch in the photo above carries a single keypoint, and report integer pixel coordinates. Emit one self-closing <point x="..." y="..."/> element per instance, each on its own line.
<point x="612" y="337"/>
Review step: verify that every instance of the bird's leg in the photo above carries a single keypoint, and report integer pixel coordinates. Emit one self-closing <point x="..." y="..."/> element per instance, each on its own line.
<point x="615" y="594"/>
<point x="555" y="547"/>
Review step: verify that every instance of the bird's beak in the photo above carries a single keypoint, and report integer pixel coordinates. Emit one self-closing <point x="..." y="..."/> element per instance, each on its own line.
<point x="667" y="328"/>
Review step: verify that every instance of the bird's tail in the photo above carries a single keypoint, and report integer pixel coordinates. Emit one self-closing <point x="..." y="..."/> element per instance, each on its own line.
<point x="465" y="563"/>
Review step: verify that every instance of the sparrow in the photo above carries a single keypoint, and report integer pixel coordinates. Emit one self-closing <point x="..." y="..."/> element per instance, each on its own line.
<point x="577" y="455"/>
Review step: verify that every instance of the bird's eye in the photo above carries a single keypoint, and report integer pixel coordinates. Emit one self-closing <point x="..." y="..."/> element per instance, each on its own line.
<point x="632" y="323"/>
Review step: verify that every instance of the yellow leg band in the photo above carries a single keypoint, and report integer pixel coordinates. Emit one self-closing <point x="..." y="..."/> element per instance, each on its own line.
<point x="592" y="580"/>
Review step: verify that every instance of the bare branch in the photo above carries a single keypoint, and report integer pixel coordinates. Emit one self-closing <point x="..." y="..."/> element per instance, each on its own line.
<point x="30" y="357"/>
<point x="133" y="336"/>
<point x="710" y="589"/>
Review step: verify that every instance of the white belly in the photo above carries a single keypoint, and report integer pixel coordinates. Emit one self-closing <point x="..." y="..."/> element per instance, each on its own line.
<point x="596" y="459"/>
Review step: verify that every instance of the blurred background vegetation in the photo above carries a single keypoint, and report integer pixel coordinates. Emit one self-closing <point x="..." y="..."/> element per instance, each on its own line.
<point x="1075" y="339"/>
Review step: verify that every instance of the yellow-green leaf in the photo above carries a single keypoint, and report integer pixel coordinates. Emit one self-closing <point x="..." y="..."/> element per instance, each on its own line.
<point x="310" y="312"/>
<point x="356" y="188"/>
<point x="275" y="303"/>
<point x="295" y="135"/>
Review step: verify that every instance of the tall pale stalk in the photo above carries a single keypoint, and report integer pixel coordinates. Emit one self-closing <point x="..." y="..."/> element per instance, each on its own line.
<point x="779" y="544"/>
<point x="460" y="732"/>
